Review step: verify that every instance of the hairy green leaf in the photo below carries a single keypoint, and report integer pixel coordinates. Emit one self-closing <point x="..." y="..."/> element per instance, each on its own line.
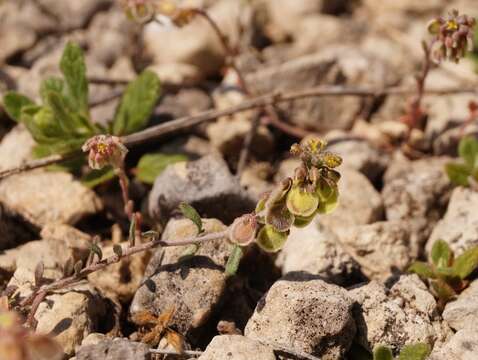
<point x="468" y="150"/>
<point x="419" y="351"/>
<point x="14" y="103"/>
<point x="150" y="166"/>
<point x="137" y="104"/>
<point x="441" y="254"/>
<point x="382" y="353"/>
<point x="271" y="240"/>
<point x="52" y="84"/>
<point x="234" y="260"/>
<point x="422" y="269"/>
<point x="73" y="67"/>
<point x="458" y="173"/>
<point x="190" y="213"/>
<point x="466" y="263"/>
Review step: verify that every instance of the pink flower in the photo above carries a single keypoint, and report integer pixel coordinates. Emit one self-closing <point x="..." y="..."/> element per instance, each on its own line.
<point x="105" y="150"/>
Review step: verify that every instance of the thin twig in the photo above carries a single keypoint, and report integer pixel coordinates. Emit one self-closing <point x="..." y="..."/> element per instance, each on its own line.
<point x="67" y="281"/>
<point x="175" y="353"/>
<point x="157" y="131"/>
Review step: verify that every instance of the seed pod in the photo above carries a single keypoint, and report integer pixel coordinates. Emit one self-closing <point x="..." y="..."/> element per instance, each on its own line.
<point x="301" y="202"/>
<point x="279" y="217"/>
<point x="271" y="240"/>
<point x="301" y="221"/>
<point x="243" y="230"/>
<point x="329" y="205"/>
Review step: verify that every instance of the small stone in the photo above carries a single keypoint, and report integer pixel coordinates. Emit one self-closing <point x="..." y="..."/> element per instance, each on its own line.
<point x="307" y="315"/>
<point x="16" y="148"/>
<point x="41" y="197"/>
<point x="315" y="249"/>
<point x="194" y="286"/>
<point x="359" y="202"/>
<point x="361" y="156"/>
<point x="206" y="184"/>
<point x="463" y="312"/>
<point x="459" y="226"/>
<point x="114" y="349"/>
<point x="236" y="347"/>
<point x="381" y="319"/>
<point x="462" y="346"/>
<point x="416" y="190"/>
<point x="384" y="247"/>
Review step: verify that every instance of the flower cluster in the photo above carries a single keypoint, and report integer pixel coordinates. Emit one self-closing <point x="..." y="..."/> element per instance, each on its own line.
<point x="145" y="10"/>
<point x="105" y="150"/>
<point x="453" y="36"/>
<point x="294" y="202"/>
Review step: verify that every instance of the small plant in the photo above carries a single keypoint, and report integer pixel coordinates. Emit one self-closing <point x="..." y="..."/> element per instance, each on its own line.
<point x="62" y="123"/>
<point x="465" y="172"/>
<point x="294" y="202"/>
<point x="419" y="351"/>
<point x="446" y="274"/>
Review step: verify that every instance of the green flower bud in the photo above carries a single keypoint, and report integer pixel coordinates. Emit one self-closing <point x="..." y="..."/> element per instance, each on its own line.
<point x="271" y="240"/>
<point x="301" y="202"/>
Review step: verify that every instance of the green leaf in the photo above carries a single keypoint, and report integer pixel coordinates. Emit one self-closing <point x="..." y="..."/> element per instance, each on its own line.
<point x="189" y="212"/>
<point x="458" y="173"/>
<point x="466" y="263"/>
<point x="422" y="269"/>
<point x="150" y="166"/>
<point x="98" y="177"/>
<point x="271" y="240"/>
<point x="442" y="290"/>
<point x="52" y="84"/>
<point x="382" y="353"/>
<point x="419" y="351"/>
<point x="468" y="150"/>
<point x="137" y="104"/>
<point x="234" y="260"/>
<point x="73" y="67"/>
<point x="441" y="254"/>
<point x="14" y="103"/>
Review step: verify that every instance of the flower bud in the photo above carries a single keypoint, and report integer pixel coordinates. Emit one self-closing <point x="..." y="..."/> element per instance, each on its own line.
<point x="105" y="150"/>
<point x="243" y="230"/>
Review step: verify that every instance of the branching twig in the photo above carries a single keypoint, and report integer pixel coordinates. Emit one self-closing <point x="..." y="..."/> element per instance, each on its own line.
<point x="67" y="281"/>
<point x="157" y="131"/>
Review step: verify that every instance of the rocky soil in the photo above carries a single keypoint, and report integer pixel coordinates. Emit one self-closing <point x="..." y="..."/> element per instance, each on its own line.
<point x="340" y="282"/>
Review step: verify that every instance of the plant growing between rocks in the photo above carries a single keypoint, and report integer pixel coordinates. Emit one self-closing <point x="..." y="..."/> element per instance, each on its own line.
<point x="417" y="351"/>
<point x="465" y="172"/>
<point x="447" y="274"/>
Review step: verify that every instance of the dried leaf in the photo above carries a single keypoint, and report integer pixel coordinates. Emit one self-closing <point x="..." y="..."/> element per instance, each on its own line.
<point x="132" y="232"/>
<point x="78" y="267"/>
<point x="68" y="268"/>
<point x="4" y="303"/>
<point x="118" y="250"/>
<point x="165" y="317"/>
<point x="143" y="318"/>
<point x="175" y="340"/>
<point x="95" y="249"/>
<point x="279" y="217"/>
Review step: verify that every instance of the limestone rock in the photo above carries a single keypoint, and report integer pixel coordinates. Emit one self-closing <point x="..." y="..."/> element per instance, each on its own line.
<point x="459" y="226"/>
<point x="206" y="184"/>
<point x="405" y="314"/>
<point x="114" y="349"/>
<point x="236" y="347"/>
<point x="462" y="346"/>
<point x="463" y="312"/>
<point x="193" y="286"/>
<point x="41" y="197"/>
<point x="310" y="316"/>
<point x="315" y="249"/>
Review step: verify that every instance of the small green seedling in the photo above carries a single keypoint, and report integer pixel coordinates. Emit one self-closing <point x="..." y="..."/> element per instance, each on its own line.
<point x="465" y="172"/>
<point x="62" y="123"/>
<point x="419" y="351"/>
<point x="447" y="275"/>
